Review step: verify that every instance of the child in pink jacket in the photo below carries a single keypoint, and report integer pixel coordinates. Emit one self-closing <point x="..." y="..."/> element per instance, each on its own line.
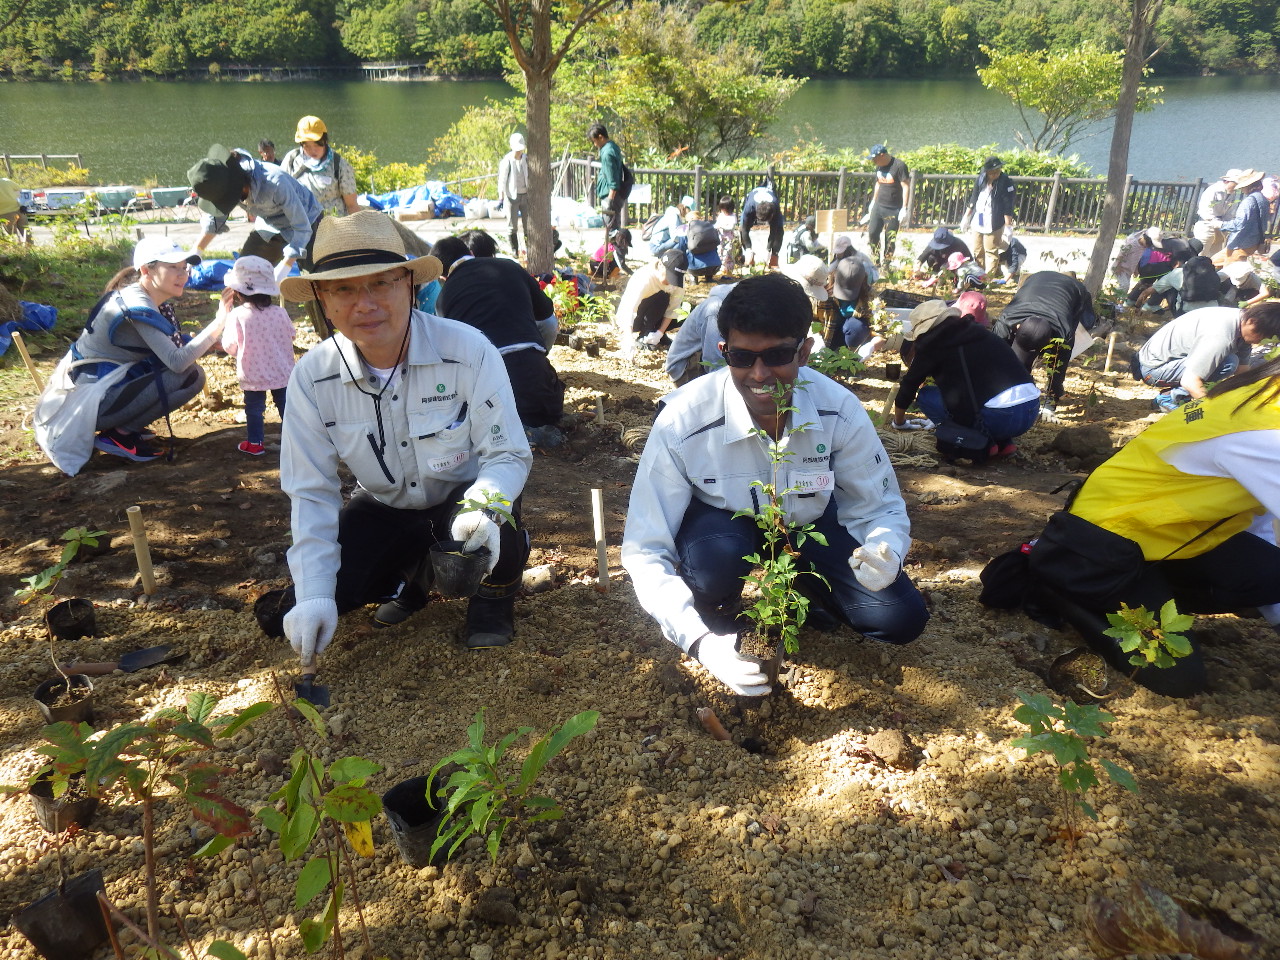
<point x="259" y="334"/>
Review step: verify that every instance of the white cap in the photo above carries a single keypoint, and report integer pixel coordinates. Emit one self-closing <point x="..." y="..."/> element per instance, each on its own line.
<point x="688" y="202"/>
<point x="162" y="250"/>
<point x="1155" y="235"/>
<point x="516" y="142"/>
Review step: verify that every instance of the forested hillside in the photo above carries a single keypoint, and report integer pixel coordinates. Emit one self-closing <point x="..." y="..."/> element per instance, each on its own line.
<point x="71" y="39"/>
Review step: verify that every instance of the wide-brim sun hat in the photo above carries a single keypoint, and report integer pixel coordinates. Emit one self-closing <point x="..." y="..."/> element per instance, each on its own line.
<point x="941" y="239"/>
<point x="252" y="276"/>
<point x="310" y="129"/>
<point x="162" y="250"/>
<point x="1233" y="174"/>
<point x="926" y="316"/>
<point x="811" y="273"/>
<point x="1248" y="178"/>
<point x="357" y="245"/>
<point x="219" y="187"/>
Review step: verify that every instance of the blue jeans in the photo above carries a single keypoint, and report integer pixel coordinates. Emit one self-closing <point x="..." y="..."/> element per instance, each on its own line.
<point x="1169" y="373"/>
<point x="255" y="405"/>
<point x="1000" y="424"/>
<point x="856" y="332"/>
<point x="713" y="543"/>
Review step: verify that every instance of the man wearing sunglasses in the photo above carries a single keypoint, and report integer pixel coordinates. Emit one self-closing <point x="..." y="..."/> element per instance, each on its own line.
<point x="708" y="454"/>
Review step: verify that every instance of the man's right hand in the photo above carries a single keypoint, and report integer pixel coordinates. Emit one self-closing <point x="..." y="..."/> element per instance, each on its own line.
<point x="310" y="626"/>
<point x="718" y="652"/>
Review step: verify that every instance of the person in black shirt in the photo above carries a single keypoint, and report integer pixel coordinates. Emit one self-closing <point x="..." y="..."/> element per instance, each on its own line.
<point x="501" y="300"/>
<point x="888" y="203"/>
<point x="979" y="382"/>
<point x="1041" y="319"/>
<point x="933" y="258"/>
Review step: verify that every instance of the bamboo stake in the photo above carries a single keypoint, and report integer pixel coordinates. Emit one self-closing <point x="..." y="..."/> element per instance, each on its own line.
<point x="887" y="412"/>
<point x="26" y="358"/>
<point x="602" y="552"/>
<point x="1111" y="346"/>
<point x="141" y="549"/>
<point x="599" y="410"/>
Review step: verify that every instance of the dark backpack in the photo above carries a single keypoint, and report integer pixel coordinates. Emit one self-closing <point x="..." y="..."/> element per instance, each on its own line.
<point x="628" y="181"/>
<point x="702" y="237"/>
<point x="646" y="229"/>
<point x="1199" y="280"/>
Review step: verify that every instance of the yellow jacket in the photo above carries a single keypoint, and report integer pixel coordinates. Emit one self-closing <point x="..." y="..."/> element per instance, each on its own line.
<point x="1138" y="495"/>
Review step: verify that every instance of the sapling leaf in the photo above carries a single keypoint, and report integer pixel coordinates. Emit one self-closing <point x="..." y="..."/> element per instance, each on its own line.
<point x="216" y="845"/>
<point x="349" y="803"/>
<point x="1087" y="808"/>
<point x="195" y="732"/>
<point x="200" y="706"/>
<point x="312" y="715"/>
<point x="298" y="832"/>
<point x="272" y="819"/>
<point x="475" y="732"/>
<point x="360" y="836"/>
<point x="312" y="881"/>
<point x="350" y="769"/>
<point x="1119" y="775"/>
<point x="230" y="726"/>
<point x="1177" y="645"/>
<point x="314" y="934"/>
<point x="221" y="950"/>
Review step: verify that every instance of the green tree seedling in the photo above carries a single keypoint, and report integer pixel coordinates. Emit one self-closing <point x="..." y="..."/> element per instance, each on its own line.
<point x="325" y="804"/>
<point x="780" y="609"/>
<point x="147" y="760"/>
<point x="494" y="504"/>
<point x="490" y="795"/>
<point x="1150" y="643"/>
<point x="46" y="581"/>
<point x="1063" y="732"/>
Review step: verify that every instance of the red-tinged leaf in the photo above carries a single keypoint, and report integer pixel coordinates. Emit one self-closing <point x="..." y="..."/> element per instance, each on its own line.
<point x="225" y="816"/>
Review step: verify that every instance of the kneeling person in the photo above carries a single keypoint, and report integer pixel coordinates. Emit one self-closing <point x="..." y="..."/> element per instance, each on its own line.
<point x="684" y="547"/>
<point x="420" y="410"/>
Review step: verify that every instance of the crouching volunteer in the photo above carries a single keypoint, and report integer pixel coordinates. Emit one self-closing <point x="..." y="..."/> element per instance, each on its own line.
<point x="704" y="460"/>
<point x="419" y="409"/>
<point x="1167" y="518"/>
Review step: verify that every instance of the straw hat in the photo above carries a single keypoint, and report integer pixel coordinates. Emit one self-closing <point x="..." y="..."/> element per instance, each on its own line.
<point x="357" y="245"/>
<point x="926" y="316"/>
<point x="1248" y="178"/>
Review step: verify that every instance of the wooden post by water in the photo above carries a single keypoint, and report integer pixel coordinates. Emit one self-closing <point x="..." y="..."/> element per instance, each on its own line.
<point x="911" y="199"/>
<point x="844" y="173"/>
<point x="1195" y="202"/>
<point x="697" y="189"/>
<point x="1053" y="200"/>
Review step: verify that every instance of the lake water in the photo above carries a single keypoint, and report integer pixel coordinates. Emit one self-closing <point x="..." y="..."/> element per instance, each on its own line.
<point x="131" y="132"/>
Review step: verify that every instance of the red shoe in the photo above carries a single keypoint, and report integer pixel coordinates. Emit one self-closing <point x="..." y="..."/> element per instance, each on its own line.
<point x="1002" y="450"/>
<point x="253" y="449"/>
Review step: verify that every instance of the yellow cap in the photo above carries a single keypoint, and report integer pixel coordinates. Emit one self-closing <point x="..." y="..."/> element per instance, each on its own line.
<point x="310" y="128"/>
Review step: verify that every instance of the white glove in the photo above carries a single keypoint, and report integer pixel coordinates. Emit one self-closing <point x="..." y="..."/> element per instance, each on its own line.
<point x="283" y="268"/>
<point x="309" y="627"/>
<point x="912" y="423"/>
<point x="901" y="216"/>
<point x="477" y="530"/>
<point x="866" y="218"/>
<point x="718" y="652"/>
<point x="875" y="565"/>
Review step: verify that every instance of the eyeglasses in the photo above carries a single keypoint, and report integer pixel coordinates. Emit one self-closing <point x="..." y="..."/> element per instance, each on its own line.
<point x="348" y="293"/>
<point x="773" y="357"/>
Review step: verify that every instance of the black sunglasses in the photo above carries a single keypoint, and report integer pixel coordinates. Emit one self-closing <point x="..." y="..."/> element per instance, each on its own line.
<point x="773" y="357"/>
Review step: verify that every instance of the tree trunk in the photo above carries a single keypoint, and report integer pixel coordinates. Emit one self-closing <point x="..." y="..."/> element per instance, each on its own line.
<point x="1144" y="13"/>
<point x="537" y="118"/>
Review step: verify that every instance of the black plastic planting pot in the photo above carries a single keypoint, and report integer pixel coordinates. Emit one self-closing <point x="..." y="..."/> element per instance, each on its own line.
<point x="66" y="924"/>
<point x="458" y="574"/>
<point x="415" y="820"/>
<point x="56" y="815"/>
<point x="78" y="710"/>
<point x="71" y="619"/>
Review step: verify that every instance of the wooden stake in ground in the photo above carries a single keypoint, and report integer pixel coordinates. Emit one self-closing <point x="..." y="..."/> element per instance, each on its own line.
<point x="1111" y="346"/>
<point x="599" y="410"/>
<point x="26" y="358"/>
<point x="602" y="552"/>
<point x="887" y="413"/>
<point x="141" y="549"/>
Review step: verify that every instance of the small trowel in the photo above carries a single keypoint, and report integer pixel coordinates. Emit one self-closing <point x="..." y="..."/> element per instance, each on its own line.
<point x="307" y="689"/>
<point x="129" y="663"/>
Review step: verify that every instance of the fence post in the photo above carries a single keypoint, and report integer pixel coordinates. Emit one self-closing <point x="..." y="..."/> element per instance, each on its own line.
<point x="1124" y="198"/>
<point x="44" y="161"/>
<point x="1053" y="200"/>
<point x="844" y="172"/>
<point x="911" y="198"/>
<point x="697" y="187"/>
<point x="8" y="167"/>
<point x="1195" y="203"/>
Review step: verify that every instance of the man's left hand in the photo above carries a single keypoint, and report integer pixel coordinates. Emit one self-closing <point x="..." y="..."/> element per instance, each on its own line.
<point x="475" y="529"/>
<point x="875" y="565"/>
<point x="902" y="217"/>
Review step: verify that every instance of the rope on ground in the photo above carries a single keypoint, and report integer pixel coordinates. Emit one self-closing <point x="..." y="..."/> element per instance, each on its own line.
<point x="909" y="448"/>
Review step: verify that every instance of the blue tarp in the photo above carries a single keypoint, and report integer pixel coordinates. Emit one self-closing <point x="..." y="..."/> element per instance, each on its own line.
<point x="447" y="204"/>
<point x="36" y="318"/>
<point x="208" y="274"/>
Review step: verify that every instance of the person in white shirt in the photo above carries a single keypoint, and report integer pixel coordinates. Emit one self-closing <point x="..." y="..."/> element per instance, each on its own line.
<point x="1215" y="205"/>
<point x="420" y="411"/>
<point x="649" y="303"/>
<point x="685" y="548"/>
<point x="513" y="185"/>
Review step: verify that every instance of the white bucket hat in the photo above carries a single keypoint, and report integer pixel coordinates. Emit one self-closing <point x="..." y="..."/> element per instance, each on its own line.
<point x="811" y="273"/>
<point x="251" y="276"/>
<point x="516" y="142"/>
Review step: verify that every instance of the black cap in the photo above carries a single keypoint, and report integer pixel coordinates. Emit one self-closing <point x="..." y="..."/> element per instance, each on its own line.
<point x="676" y="262"/>
<point x="992" y="163"/>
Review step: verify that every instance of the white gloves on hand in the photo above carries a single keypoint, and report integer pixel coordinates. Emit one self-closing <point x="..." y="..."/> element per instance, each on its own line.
<point x="866" y="218"/>
<point x="477" y="530"/>
<point x="875" y="565"/>
<point x="283" y="268"/>
<point x="913" y="423"/>
<point x="901" y="216"/>
<point x="718" y="652"/>
<point x="310" y="626"/>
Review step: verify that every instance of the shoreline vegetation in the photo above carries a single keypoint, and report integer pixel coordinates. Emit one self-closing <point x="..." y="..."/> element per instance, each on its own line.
<point x="884" y="39"/>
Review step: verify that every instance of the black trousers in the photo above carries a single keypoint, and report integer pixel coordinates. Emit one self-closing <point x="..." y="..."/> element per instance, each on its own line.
<point x="382" y="546"/>
<point x="539" y="391"/>
<point x="1031" y="340"/>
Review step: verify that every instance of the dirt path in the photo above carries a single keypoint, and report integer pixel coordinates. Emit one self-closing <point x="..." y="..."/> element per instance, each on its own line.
<point x="674" y="844"/>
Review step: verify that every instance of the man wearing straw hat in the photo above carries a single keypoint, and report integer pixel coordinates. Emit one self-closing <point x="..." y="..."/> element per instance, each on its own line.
<point x="420" y="410"/>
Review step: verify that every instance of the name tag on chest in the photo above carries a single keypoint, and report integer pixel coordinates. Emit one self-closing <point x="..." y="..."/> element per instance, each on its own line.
<point x="448" y="463"/>
<point x="813" y="482"/>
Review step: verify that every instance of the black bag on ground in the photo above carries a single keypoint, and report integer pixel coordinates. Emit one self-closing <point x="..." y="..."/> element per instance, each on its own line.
<point x="957" y="440"/>
<point x="1005" y="580"/>
<point x="901" y="299"/>
<point x="702" y="237"/>
<point x="1083" y="560"/>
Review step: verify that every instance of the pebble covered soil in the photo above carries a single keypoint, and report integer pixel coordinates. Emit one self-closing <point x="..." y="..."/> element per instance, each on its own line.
<point x="873" y="808"/>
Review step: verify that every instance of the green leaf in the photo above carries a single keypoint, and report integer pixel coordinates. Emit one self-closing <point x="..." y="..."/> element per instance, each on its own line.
<point x="350" y="803"/>
<point x="312" y="881"/>
<point x="353" y="768"/>
<point x="298" y="833"/>
<point x="1177" y="645"/>
<point x="1119" y="775"/>
<point x="573" y="727"/>
<point x="230" y="726"/>
<point x="312" y="715"/>
<point x="195" y="732"/>
<point x="221" y="950"/>
<point x="272" y="819"/>
<point x="215" y="846"/>
<point x="314" y="933"/>
<point x="1086" y="808"/>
